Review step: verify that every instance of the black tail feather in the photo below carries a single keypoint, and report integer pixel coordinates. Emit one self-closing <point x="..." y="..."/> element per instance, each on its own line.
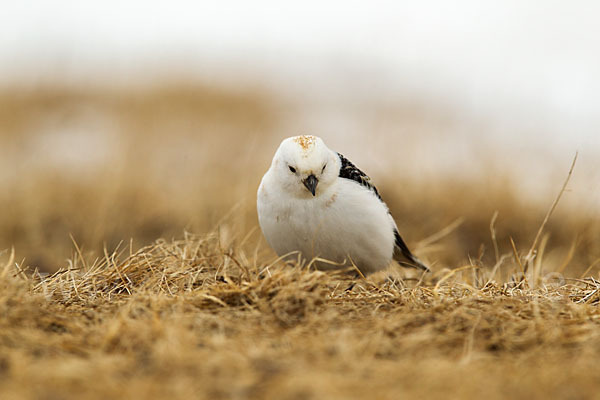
<point x="402" y="251"/>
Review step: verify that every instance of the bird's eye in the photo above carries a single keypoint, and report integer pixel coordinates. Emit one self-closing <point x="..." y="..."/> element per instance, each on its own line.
<point x="292" y="169"/>
<point x="323" y="170"/>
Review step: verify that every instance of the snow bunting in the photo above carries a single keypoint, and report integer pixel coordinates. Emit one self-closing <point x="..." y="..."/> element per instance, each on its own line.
<point x="315" y="202"/>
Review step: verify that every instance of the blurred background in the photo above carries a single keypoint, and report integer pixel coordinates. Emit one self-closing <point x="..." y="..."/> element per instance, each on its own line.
<point x="140" y="119"/>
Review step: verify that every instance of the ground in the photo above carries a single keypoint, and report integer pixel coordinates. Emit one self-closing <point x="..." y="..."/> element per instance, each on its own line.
<point x="186" y="319"/>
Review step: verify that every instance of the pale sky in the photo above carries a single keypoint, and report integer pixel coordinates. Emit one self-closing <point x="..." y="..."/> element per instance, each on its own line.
<point x="522" y="62"/>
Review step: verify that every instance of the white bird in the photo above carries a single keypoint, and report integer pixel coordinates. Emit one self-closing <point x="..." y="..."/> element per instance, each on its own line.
<point x="315" y="202"/>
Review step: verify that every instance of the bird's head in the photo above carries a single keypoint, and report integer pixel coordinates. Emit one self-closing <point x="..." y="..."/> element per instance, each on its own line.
<point x="305" y="166"/>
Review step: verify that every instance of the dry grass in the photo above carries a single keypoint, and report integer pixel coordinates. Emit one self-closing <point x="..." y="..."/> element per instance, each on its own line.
<point x="215" y="315"/>
<point x="194" y="319"/>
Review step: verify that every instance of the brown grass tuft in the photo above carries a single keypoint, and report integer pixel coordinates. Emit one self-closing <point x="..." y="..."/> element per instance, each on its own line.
<point x="188" y="318"/>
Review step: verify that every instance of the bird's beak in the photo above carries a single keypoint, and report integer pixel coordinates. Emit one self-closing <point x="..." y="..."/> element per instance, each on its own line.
<point x="311" y="183"/>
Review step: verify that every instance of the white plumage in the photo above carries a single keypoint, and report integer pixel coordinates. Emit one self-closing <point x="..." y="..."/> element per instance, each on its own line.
<point x="314" y="202"/>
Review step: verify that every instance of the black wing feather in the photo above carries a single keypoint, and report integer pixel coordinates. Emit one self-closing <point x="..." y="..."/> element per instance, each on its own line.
<point x="350" y="171"/>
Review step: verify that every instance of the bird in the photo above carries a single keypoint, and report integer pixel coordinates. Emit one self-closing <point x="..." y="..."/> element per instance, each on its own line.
<point x="315" y="203"/>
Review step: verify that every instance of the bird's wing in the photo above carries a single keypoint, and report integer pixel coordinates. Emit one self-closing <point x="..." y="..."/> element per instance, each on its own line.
<point x="401" y="252"/>
<point x="350" y="171"/>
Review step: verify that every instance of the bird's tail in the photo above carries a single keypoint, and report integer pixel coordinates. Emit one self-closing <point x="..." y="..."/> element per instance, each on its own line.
<point x="404" y="256"/>
<point x="414" y="262"/>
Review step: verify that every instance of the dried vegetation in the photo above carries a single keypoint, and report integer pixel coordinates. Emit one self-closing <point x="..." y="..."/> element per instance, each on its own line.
<point x="216" y="316"/>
